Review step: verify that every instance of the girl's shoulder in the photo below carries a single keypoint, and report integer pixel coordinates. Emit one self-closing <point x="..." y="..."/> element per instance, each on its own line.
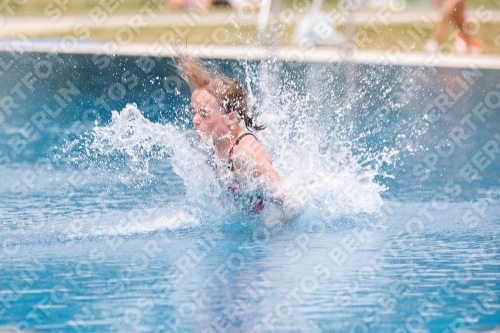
<point x="250" y="147"/>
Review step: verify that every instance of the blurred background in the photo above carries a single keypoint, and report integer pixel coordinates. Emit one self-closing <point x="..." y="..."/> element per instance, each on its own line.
<point x="371" y="24"/>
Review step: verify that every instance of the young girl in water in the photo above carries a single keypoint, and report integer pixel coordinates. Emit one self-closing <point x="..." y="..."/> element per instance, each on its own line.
<point x="218" y="103"/>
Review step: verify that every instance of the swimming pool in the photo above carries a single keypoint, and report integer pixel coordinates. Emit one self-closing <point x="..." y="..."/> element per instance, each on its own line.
<point x="110" y="221"/>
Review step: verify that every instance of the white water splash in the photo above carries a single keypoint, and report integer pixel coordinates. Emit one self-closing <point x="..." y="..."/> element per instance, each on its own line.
<point x="131" y="135"/>
<point x="326" y="168"/>
<point x="332" y="179"/>
<point x="152" y="221"/>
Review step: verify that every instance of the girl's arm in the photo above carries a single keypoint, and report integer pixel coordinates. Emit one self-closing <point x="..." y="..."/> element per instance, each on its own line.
<point x="259" y="167"/>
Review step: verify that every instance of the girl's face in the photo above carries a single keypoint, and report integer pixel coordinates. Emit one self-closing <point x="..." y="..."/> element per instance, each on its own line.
<point x="209" y="118"/>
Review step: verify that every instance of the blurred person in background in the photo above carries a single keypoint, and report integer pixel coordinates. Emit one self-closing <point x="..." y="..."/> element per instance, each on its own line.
<point x="207" y="4"/>
<point x="242" y="4"/>
<point x="453" y="10"/>
<point x="197" y="4"/>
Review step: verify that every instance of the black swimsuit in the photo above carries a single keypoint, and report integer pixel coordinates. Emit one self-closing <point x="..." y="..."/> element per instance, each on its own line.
<point x="230" y="160"/>
<point x="253" y="201"/>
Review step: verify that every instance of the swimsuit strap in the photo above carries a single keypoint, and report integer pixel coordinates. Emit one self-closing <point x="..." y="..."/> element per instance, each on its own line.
<point x="238" y="141"/>
<point x="230" y="160"/>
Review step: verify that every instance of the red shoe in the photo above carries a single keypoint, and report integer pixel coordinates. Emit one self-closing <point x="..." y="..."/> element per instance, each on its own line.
<point x="475" y="45"/>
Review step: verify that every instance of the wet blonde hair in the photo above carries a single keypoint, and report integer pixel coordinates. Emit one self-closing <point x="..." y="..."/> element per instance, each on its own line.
<point x="228" y="92"/>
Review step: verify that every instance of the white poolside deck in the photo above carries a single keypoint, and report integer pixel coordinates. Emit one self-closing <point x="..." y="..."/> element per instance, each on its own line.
<point x="17" y="27"/>
<point x="318" y="54"/>
<point x="216" y="18"/>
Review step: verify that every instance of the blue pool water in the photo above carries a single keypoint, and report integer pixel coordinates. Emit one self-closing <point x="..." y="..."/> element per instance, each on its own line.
<point x="111" y="222"/>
